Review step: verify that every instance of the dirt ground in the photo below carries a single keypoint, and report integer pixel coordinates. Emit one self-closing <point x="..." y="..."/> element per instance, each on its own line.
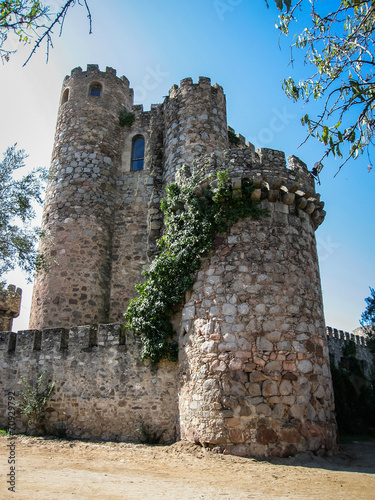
<point x="57" y="469"/>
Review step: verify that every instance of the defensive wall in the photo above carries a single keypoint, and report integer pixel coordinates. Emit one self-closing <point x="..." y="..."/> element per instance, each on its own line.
<point x="102" y="389"/>
<point x="337" y="339"/>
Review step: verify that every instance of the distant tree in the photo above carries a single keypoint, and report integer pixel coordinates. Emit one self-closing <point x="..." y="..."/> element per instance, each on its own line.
<point x="17" y="238"/>
<point x="339" y="44"/>
<point x="30" y="21"/>
<point x="368" y="318"/>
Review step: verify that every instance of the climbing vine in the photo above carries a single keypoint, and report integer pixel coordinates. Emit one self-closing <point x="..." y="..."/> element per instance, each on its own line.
<point x="194" y="212"/>
<point x="233" y="139"/>
<point x="126" y="119"/>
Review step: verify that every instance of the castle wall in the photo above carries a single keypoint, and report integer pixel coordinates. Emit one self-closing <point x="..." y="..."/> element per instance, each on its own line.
<point x="138" y="219"/>
<point x="337" y="339"/>
<point x="254" y="364"/>
<point x="102" y="389"/>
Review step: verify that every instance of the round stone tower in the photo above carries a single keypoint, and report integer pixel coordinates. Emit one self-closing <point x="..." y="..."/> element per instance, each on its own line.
<point x="254" y="363"/>
<point x="80" y="200"/>
<point x="195" y="122"/>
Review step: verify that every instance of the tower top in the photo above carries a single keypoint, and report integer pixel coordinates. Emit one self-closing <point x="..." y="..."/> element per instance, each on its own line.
<point x="187" y="85"/>
<point x="10" y="303"/>
<point x="94" y="69"/>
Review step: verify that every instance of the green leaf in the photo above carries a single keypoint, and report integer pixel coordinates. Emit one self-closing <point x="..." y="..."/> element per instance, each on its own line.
<point x="279" y="4"/>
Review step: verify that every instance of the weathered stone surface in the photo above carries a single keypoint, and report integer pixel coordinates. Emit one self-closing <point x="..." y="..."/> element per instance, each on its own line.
<point x="255" y="389"/>
<point x="281" y="362"/>
<point x="263" y="344"/>
<point x="305" y="366"/>
<point x="269" y="388"/>
<point x="273" y="366"/>
<point x="100" y="392"/>
<point x="10" y="303"/>
<point x="290" y="435"/>
<point x="266" y="435"/>
<point x="286" y="388"/>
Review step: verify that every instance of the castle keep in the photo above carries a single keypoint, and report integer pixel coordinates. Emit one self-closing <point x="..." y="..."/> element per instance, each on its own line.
<point x="253" y="373"/>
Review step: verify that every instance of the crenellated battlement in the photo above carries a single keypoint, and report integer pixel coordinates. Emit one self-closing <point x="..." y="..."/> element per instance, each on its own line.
<point x="102" y="389"/>
<point x="187" y="84"/>
<point x="283" y="189"/>
<point x="241" y="140"/>
<point x="111" y="89"/>
<point x="93" y="69"/>
<point x="343" y="337"/>
<point x="338" y="339"/>
<point x="56" y="340"/>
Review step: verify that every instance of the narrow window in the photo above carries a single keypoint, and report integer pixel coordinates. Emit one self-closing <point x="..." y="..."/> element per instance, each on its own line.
<point x="65" y="96"/>
<point x="95" y="89"/>
<point x="138" y="152"/>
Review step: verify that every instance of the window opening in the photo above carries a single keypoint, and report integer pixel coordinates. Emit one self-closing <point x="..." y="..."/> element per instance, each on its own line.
<point x="96" y="89"/>
<point x="65" y="96"/>
<point x="138" y="153"/>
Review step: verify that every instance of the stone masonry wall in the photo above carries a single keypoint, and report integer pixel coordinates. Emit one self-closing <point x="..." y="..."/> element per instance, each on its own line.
<point x="337" y="339"/>
<point x="137" y="215"/>
<point x="254" y="362"/>
<point x="102" y="389"/>
<point x="10" y="303"/>
<point x="80" y="202"/>
<point x="195" y="124"/>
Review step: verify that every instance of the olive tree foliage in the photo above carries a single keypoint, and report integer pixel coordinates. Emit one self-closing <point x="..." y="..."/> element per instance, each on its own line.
<point x="31" y="22"/>
<point x="18" y="194"/>
<point x="339" y="45"/>
<point x="368" y="318"/>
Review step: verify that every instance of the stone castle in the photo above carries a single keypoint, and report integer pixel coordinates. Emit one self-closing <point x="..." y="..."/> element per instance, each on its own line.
<point x="253" y="375"/>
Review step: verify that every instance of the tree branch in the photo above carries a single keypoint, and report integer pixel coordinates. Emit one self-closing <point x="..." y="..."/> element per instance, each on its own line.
<point x="59" y="19"/>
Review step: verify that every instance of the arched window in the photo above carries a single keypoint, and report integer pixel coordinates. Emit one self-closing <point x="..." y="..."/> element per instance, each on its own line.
<point x="138" y="152"/>
<point x="65" y="96"/>
<point x="95" y="89"/>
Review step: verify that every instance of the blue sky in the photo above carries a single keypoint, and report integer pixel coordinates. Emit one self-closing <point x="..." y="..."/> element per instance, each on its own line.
<point x="235" y="43"/>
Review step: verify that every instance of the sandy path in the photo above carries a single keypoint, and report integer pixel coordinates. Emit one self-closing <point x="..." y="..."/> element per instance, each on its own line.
<point x="56" y="469"/>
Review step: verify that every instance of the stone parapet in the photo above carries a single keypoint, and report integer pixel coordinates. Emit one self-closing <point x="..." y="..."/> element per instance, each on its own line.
<point x="102" y="389"/>
<point x="344" y="337"/>
<point x="10" y="303"/>
<point x="338" y="339"/>
<point x="277" y="186"/>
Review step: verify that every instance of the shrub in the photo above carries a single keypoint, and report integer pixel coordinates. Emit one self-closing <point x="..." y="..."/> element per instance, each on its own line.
<point x="34" y="400"/>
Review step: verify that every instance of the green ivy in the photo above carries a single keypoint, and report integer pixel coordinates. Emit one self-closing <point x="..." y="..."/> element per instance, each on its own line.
<point x="354" y="394"/>
<point x="126" y="119"/>
<point x="194" y="212"/>
<point x="233" y="139"/>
